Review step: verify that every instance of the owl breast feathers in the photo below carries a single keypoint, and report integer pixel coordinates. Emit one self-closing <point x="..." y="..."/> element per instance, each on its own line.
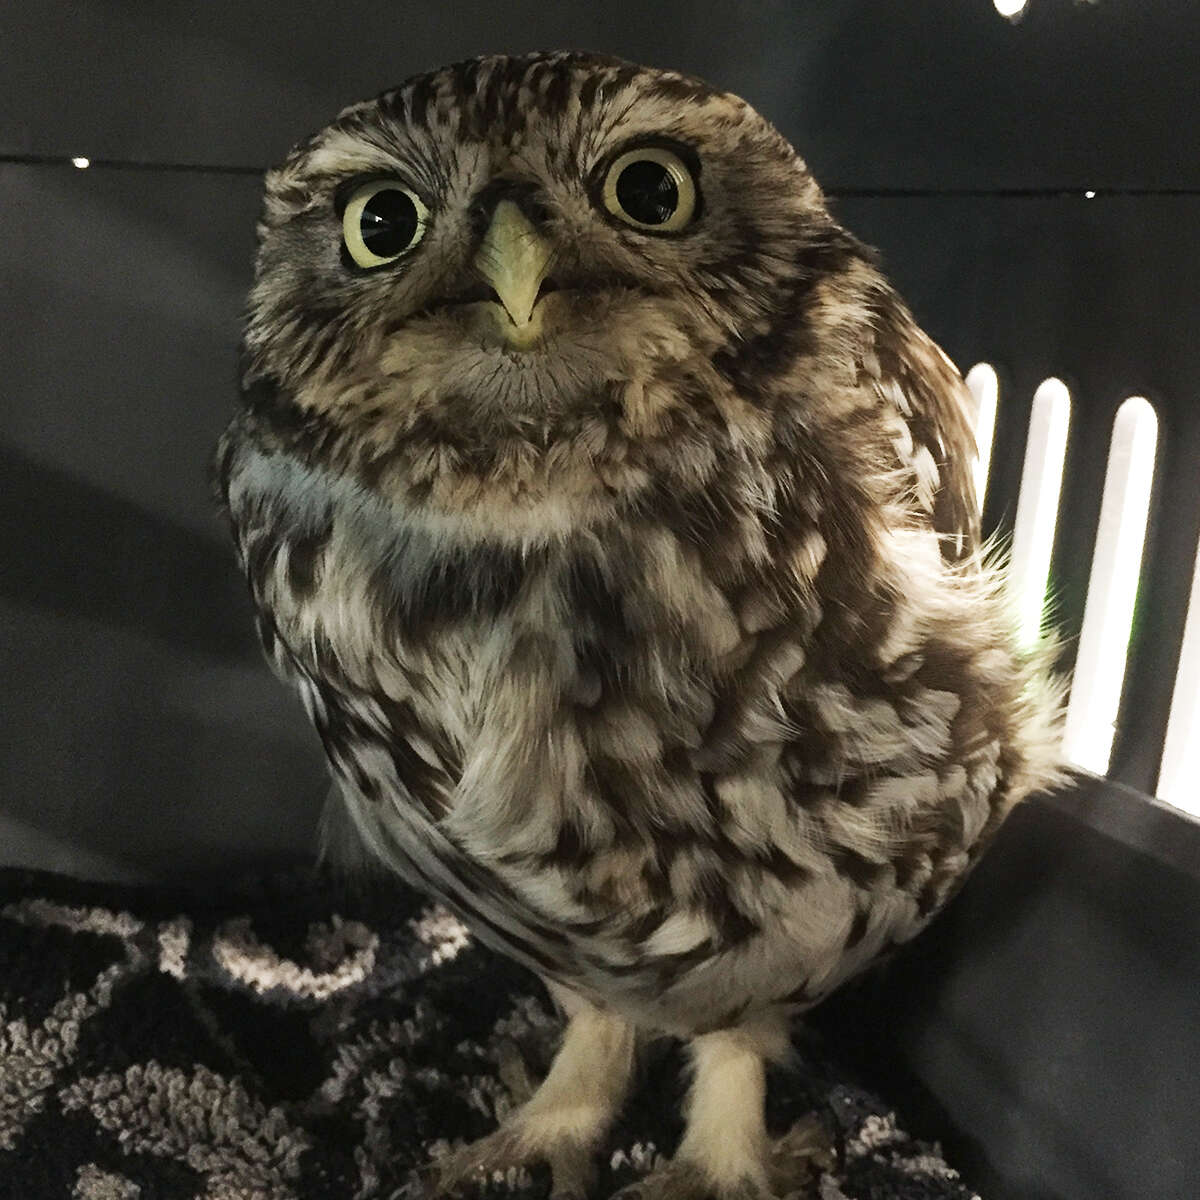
<point x="614" y="520"/>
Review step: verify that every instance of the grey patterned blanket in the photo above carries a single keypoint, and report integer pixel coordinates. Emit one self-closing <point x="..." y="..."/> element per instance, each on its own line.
<point x="290" y="1040"/>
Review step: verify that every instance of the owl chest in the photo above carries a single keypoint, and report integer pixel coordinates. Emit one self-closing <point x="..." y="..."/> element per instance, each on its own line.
<point x="512" y="723"/>
<point x="436" y="709"/>
<point x="402" y="719"/>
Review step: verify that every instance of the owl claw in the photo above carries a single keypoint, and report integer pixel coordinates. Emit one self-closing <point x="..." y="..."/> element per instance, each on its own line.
<point x="473" y="1165"/>
<point x="506" y="1153"/>
<point x="795" y="1164"/>
<point x="683" y="1181"/>
<point x="514" y="1072"/>
<point x="799" y="1157"/>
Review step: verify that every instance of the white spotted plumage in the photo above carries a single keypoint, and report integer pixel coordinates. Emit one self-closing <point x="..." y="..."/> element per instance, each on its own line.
<point x="647" y="622"/>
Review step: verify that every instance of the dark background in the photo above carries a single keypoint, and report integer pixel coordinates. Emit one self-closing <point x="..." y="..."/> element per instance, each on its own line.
<point x="142" y="737"/>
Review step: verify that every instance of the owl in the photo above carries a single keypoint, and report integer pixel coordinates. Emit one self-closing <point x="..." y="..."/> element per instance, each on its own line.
<point x="614" y="521"/>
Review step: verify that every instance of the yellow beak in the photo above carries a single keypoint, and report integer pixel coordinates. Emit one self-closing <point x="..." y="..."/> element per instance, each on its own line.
<point x="514" y="258"/>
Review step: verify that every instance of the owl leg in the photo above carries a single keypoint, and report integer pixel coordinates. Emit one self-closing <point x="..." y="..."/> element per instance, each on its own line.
<point x="565" y="1119"/>
<point x="725" y="1152"/>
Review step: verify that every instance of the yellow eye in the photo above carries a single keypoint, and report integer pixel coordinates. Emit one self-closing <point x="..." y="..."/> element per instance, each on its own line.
<point x="381" y="220"/>
<point x="651" y="188"/>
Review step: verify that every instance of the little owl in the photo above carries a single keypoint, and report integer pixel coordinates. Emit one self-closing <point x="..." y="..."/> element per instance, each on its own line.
<point x="615" y="522"/>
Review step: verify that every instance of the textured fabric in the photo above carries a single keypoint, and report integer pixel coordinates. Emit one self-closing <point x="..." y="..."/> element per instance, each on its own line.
<point x="291" y="1040"/>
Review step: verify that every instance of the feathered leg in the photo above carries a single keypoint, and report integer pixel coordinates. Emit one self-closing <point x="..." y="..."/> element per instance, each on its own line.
<point x="564" y="1121"/>
<point x="725" y="1152"/>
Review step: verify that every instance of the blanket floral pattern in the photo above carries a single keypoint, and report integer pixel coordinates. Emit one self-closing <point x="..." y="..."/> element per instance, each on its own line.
<point x="294" y="1041"/>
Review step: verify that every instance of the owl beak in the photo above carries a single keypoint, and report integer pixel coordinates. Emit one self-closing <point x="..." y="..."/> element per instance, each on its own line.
<point x="514" y="258"/>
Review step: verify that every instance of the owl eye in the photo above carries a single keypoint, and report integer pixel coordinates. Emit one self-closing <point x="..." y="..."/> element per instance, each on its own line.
<point x="382" y="220"/>
<point x="651" y="188"/>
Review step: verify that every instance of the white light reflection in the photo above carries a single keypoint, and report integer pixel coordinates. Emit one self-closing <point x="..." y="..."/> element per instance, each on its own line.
<point x="1112" y="589"/>
<point x="1179" y="776"/>
<point x="1037" y="504"/>
<point x="985" y="391"/>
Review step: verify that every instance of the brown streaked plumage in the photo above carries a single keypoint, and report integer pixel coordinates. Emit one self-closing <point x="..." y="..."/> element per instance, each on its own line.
<point x="614" y="520"/>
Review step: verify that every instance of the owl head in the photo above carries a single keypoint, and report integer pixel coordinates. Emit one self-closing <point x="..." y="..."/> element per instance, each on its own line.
<point x="521" y="292"/>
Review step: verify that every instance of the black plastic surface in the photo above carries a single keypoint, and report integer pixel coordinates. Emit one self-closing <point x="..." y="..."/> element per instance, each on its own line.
<point x="1047" y="1026"/>
<point x="875" y="93"/>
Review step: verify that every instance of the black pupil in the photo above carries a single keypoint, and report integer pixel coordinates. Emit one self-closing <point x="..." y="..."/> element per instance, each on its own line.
<point x="647" y="191"/>
<point x="389" y="222"/>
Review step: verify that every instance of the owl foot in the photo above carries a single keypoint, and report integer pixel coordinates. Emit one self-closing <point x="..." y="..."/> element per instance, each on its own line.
<point x="514" y="1072"/>
<point x="561" y="1123"/>
<point x="678" y="1180"/>
<point x="797" y="1160"/>
<point x="517" y="1145"/>
<point x="794" y="1166"/>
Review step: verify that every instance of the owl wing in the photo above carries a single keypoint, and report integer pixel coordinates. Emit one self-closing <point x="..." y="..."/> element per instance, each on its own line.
<point x="913" y="374"/>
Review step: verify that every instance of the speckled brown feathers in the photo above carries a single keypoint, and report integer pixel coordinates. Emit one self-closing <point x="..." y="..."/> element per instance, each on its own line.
<point x="659" y="641"/>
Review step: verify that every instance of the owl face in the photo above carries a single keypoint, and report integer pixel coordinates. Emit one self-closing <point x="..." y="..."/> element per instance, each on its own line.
<point x="507" y="281"/>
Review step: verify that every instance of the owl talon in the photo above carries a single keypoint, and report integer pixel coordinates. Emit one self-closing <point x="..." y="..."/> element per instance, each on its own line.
<point x="511" y="1149"/>
<point x="798" y="1159"/>
<point x="474" y="1164"/>
<point x="795" y="1164"/>
<point x="684" y="1181"/>
<point x="514" y="1072"/>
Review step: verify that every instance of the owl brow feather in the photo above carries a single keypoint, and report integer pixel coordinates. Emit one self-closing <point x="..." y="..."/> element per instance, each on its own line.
<point x="604" y="130"/>
<point x="592" y="140"/>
